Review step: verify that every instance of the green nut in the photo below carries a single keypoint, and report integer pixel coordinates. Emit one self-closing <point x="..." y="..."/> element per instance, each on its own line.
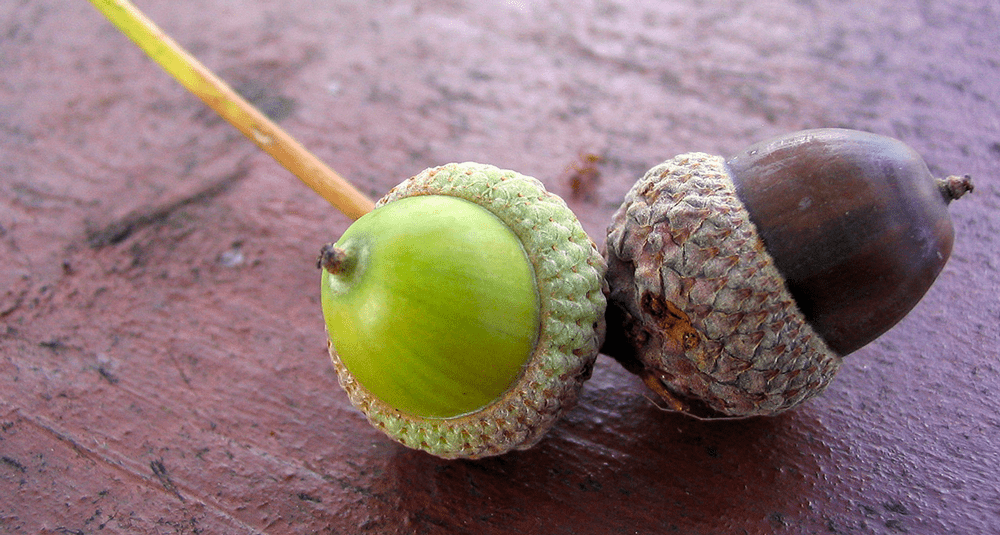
<point x="465" y="311"/>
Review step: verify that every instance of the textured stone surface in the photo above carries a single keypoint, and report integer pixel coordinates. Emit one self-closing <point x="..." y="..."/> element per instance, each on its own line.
<point x="163" y="363"/>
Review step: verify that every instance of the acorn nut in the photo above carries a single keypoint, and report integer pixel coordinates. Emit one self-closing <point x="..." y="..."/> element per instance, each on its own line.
<point x="736" y="287"/>
<point x="465" y="311"/>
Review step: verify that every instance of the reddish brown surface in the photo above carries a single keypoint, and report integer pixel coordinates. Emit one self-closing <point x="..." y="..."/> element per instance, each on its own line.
<point x="163" y="366"/>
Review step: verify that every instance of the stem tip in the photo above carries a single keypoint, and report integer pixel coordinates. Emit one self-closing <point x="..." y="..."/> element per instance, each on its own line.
<point x="954" y="186"/>
<point x="332" y="258"/>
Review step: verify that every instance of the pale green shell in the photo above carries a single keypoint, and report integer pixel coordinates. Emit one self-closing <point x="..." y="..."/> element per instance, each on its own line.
<point x="569" y="272"/>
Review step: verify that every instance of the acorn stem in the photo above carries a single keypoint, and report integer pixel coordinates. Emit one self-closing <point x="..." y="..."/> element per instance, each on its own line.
<point x="333" y="259"/>
<point x="256" y="126"/>
<point x="954" y="186"/>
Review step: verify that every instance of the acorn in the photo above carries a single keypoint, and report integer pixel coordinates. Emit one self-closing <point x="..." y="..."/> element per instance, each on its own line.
<point x="465" y="311"/>
<point x="737" y="286"/>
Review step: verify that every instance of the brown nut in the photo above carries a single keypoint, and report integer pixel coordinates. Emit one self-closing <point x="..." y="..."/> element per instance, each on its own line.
<point x="736" y="287"/>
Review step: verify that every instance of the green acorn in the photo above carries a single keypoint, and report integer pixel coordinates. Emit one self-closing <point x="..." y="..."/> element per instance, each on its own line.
<point x="465" y="312"/>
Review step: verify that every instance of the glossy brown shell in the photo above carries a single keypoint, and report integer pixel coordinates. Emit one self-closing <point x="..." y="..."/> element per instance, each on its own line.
<point x="855" y="223"/>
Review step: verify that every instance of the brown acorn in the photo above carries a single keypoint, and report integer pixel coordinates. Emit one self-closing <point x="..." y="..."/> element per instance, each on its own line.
<point x="736" y="287"/>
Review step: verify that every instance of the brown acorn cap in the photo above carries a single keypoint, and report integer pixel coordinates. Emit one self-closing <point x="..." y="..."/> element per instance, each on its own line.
<point x="697" y="307"/>
<point x="569" y="272"/>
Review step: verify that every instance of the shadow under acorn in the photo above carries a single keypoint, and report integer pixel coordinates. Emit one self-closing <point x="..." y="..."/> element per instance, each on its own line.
<point x="614" y="449"/>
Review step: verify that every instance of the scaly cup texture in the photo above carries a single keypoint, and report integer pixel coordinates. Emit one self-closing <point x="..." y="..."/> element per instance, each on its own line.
<point x="569" y="273"/>
<point x="699" y="309"/>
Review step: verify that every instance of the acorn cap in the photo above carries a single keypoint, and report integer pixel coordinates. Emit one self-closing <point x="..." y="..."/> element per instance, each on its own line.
<point x="704" y="316"/>
<point x="569" y="272"/>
